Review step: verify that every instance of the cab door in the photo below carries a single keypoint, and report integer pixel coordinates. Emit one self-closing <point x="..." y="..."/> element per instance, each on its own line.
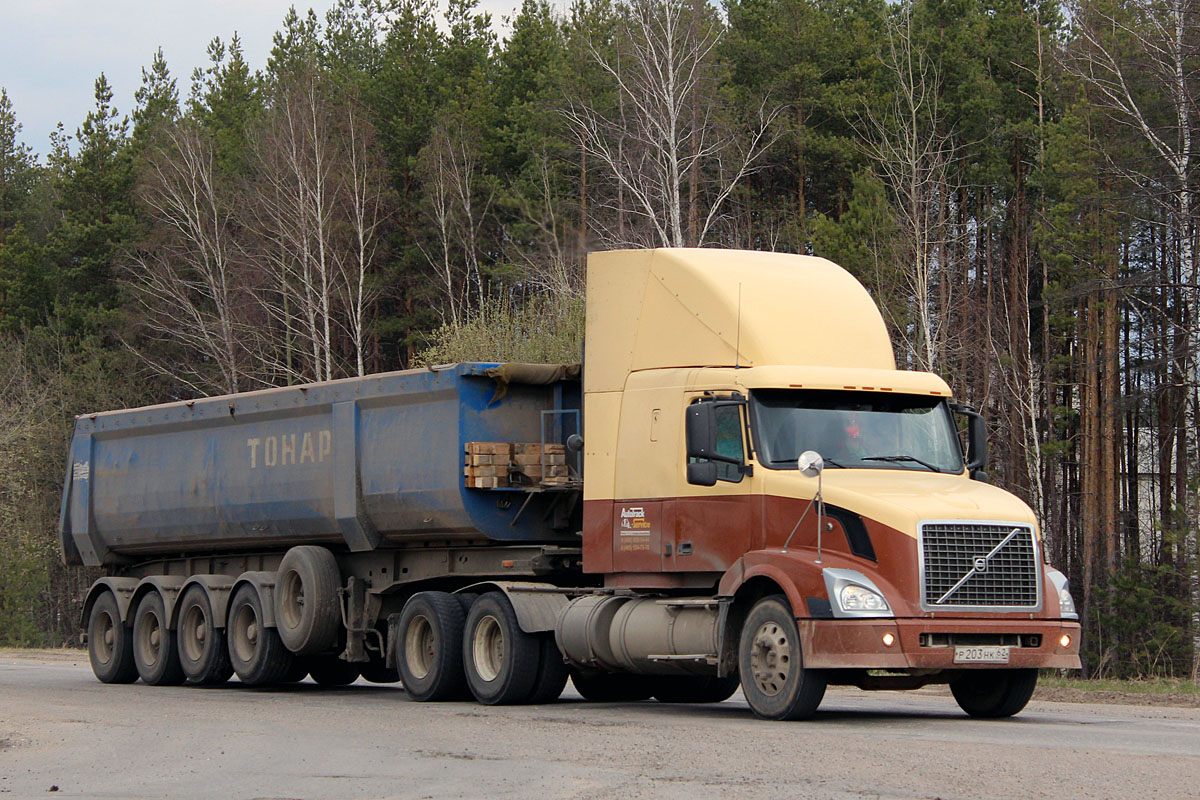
<point x="713" y="526"/>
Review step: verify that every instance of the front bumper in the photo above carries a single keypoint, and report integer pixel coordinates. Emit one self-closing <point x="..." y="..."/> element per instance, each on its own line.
<point x="859" y="643"/>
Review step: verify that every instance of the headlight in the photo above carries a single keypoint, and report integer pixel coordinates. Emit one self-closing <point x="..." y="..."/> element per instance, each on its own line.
<point x="852" y="594"/>
<point x="1066" y="603"/>
<point x="858" y="598"/>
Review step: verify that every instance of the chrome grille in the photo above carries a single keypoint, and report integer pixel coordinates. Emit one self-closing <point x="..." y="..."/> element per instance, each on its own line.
<point x="975" y="566"/>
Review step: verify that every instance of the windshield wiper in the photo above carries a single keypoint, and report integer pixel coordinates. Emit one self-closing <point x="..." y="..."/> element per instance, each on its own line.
<point x="792" y="461"/>
<point x="913" y="459"/>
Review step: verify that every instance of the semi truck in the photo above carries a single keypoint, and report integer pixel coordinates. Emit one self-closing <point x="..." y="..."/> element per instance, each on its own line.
<point x="737" y="489"/>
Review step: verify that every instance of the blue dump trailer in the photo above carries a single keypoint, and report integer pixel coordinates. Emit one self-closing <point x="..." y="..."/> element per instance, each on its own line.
<point x="358" y="464"/>
<point x="276" y="533"/>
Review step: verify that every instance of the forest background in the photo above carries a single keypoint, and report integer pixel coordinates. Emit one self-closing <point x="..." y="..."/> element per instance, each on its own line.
<point x="1013" y="182"/>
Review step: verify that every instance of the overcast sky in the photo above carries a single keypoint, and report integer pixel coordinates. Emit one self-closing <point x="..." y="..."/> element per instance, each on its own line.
<point x="52" y="51"/>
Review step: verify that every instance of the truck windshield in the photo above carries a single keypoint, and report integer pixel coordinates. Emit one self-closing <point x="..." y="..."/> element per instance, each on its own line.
<point x="855" y="430"/>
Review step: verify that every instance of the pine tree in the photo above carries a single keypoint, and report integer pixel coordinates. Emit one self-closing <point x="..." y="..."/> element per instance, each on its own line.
<point x="95" y="202"/>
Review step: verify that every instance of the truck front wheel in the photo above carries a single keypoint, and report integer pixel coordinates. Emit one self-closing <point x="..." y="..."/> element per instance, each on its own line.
<point x="500" y="659"/>
<point x="429" y="647"/>
<point x="994" y="693"/>
<point x="695" y="688"/>
<point x="774" y="680"/>
<point x="110" y="643"/>
<point x="612" y="687"/>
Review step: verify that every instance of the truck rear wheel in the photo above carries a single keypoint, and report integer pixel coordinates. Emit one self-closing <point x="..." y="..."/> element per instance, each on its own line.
<point x="258" y="655"/>
<point x="774" y="680"/>
<point x="500" y="659"/>
<point x="307" y="607"/>
<point x="552" y="672"/>
<point x="695" y="688"/>
<point x="110" y="643"/>
<point x="612" y="687"/>
<point x="429" y="647"/>
<point x="154" y="649"/>
<point x="994" y="693"/>
<point x="203" y="653"/>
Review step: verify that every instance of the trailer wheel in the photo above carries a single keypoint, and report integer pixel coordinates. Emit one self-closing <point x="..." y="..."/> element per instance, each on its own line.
<point x="774" y="680"/>
<point x="994" y="693"/>
<point x="500" y="659"/>
<point x="429" y="647"/>
<point x="258" y="655"/>
<point x="330" y="670"/>
<point x="552" y="672"/>
<point x="612" y="687"/>
<point x="308" y="609"/>
<point x="377" y="670"/>
<point x="297" y="672"/>
<point x="154" y="649"/>
<point x="203" y="653"/>
<point x="110" y="642"/>
<point x="695" y="688"/>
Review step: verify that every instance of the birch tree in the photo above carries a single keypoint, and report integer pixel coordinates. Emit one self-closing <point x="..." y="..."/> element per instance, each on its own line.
<point x="667" y="142"/>
<point x="911" y="150"/>
<point x="188" y="279"/>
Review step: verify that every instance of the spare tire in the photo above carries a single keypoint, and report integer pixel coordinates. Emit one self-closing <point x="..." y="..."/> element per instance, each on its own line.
<point x="308" y="611"/>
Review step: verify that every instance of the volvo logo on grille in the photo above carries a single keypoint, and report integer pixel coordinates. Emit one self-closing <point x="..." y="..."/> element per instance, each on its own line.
<point x="981" y="564"/>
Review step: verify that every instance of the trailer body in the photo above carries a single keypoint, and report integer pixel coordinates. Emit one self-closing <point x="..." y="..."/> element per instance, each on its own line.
<point x="355" y="464"/>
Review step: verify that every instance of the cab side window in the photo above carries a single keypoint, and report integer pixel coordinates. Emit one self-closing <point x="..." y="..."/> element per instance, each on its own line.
<point x="729" y="443"/>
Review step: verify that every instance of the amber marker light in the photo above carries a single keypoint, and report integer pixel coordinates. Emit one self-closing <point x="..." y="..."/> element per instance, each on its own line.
<point x="889" y="640"/>
<point x="1065" y="640"/>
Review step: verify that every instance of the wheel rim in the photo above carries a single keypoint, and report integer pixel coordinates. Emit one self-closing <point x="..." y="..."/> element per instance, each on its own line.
<point x="105" y="637"/>
<point x="771" y="658"/>
<point x="420" y="647"/>
<point x="245" y="633"/>
<point x="149" y="638"/>
<point x="291" y="605"/>
<point x="193" y="633"/>
<point x="487" y="648"/>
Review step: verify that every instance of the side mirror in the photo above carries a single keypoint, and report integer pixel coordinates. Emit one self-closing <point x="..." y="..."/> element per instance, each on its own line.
<point x="702" y="473"/>
<point x="976" y="454"/>
<point x="701" y="428"/>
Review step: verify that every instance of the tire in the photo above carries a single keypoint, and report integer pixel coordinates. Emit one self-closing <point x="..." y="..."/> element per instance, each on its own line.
<point x="330" y="670"/>
<point x="203" y="654"/>
<point x="110" y="642"/>
<point x="552" y="672"/>
<point x="695" y="688"/>
<point x="994" y="693"/>
<point x="154" y="649"/>
<point x="308" y="609"/>
<point x="297" y="672"/>
<point x="612" y="687"/>
<point x="465" y="599"/>
<point x="429" y="647"/>
<point x="258" y="655"/>
<point x="377" y="671"/>
<point x="770" y="662"/>
<point x="500" y="659"/>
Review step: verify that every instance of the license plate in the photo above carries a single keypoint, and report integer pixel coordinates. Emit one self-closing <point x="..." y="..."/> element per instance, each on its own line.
<point x="981" y="655"/>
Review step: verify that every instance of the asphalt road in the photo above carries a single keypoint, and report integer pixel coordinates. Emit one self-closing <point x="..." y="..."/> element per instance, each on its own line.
<point x="60" y="728"/>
